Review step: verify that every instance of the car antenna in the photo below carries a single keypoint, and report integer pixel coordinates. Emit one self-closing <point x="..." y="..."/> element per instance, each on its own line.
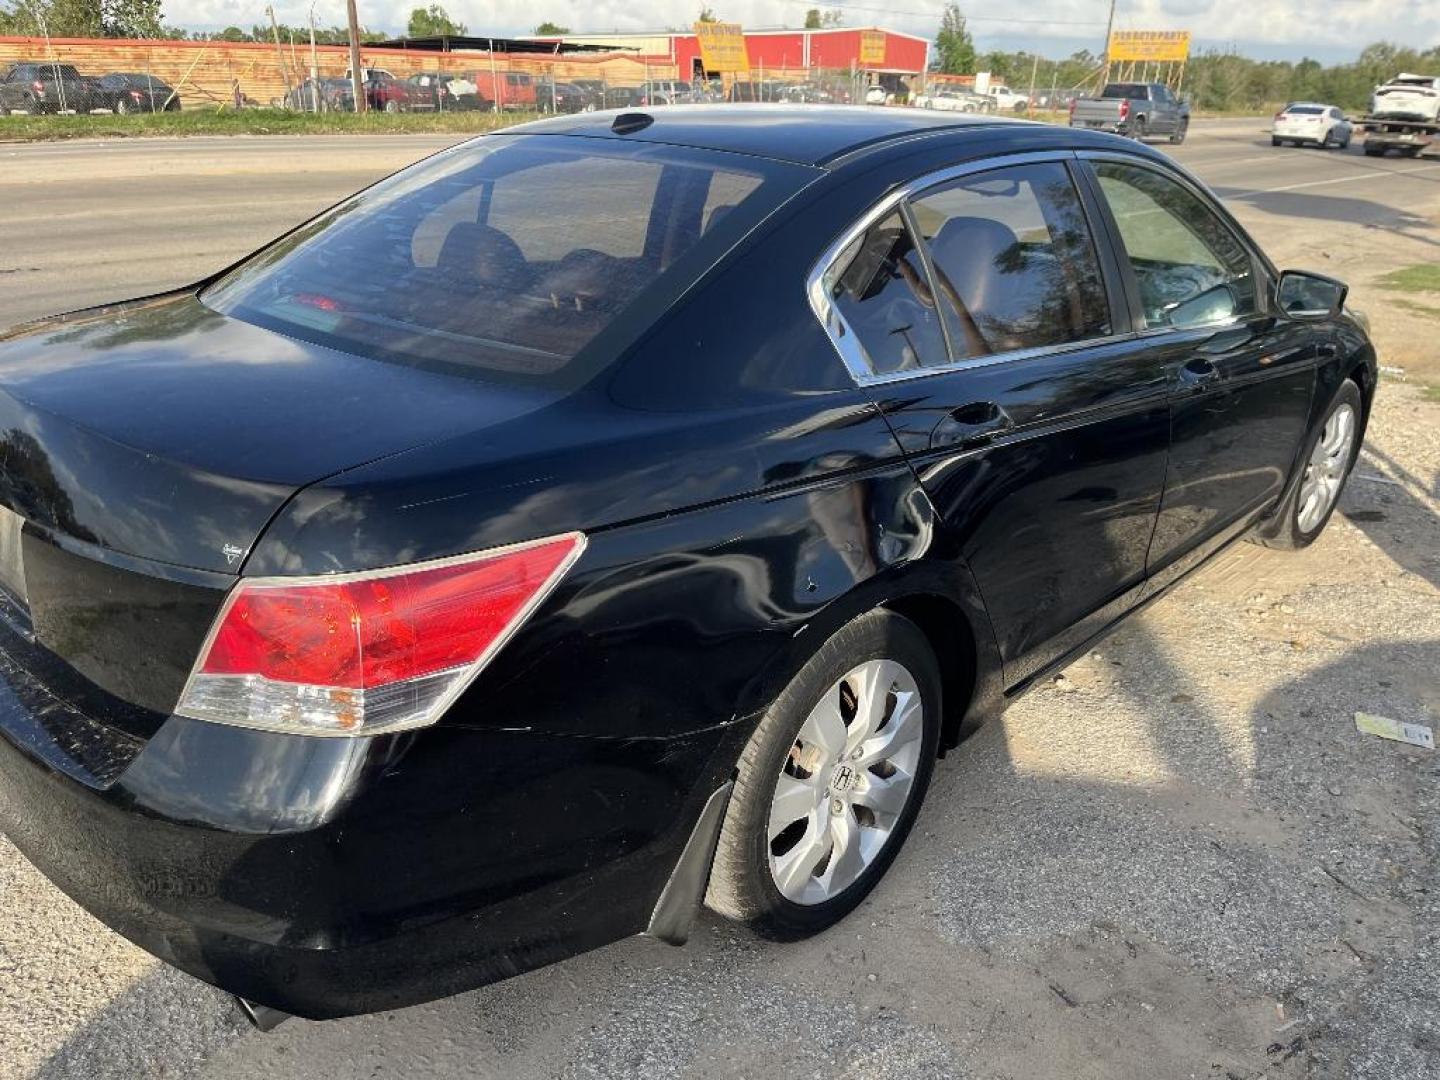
<point x="631" y="122"/>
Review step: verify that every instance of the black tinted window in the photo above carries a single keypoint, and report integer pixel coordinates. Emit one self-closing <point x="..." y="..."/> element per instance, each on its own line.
<point x="1124" y="90"/>
<point x="506" y="257"/>
<point x="1015" y="266"/>
<point x="1190" y="267"/>
<point x="880" y="287"/>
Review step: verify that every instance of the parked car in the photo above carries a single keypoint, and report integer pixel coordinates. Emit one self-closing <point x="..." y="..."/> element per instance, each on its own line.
<point x="1135" y="109"/>
<point x="442" y="93"/>
<point x="1303" y="123"/>
<point x="322" y="95"/>
<point x="385" y="93"/>
<point x="562" y="98"/>
<point x="622" y="97"/>
<point x="877" y="95"/>
<point x="44" y="88"/>
<point x="514" y="91"/>
<point x="758" y="90"/>
<point x="960" y="101"/>
<point x="666" y="92"/>
<point x="425" y="598"/>
<point x="127" y="92"/>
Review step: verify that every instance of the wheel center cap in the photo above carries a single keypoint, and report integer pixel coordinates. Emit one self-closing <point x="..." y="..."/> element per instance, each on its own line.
<point x="842" y="779"/>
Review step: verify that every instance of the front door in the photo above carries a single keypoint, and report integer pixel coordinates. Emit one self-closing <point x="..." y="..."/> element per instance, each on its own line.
<point x="1243" y="374"/>
<point x="1036" y="423"/>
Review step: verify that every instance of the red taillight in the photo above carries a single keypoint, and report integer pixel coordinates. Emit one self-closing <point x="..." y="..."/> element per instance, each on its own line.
<point x="38" y="86"/>
<point x="136" y="94"/>
<point x="1124" y="108"/>
<point x="360" y="653"/>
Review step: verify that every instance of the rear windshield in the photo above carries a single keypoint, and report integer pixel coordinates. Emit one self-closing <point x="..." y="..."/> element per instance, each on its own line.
<point x="1124" y="90"/>
<point x="1305" y="110"/>
<point x="505" y="257"/>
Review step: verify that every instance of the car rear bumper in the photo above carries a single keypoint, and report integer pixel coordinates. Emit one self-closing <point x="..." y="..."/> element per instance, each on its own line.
<point x="328" y="877"/>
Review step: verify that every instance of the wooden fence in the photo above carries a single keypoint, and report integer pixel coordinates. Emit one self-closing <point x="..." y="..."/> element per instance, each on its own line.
<point x="206" y="72"/>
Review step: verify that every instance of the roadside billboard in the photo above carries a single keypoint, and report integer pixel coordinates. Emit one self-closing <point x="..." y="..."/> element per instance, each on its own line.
<point x="872" y="48"/>
<point x="722" y="48"/>
<point x="1164" y="46"/>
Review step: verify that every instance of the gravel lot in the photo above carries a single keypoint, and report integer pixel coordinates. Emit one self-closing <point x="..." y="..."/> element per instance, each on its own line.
<point x="1177" y="859"/>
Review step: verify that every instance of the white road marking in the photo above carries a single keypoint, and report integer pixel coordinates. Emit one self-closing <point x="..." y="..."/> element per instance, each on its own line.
<point x="1334" y="180"/>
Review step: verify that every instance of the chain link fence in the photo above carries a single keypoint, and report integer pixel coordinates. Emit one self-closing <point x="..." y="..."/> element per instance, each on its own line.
<point x="72" y="76"/>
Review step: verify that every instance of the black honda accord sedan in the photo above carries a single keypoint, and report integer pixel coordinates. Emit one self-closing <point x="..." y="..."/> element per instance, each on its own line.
<point x="613" y="515"/>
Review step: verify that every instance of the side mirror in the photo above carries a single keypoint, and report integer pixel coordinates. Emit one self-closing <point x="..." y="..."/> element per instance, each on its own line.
<point x="1303" y="295"/>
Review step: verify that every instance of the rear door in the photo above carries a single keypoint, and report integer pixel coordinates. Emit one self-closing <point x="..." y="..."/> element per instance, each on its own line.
<point x="977" y="311"/>
<point x="1242" y="374"/>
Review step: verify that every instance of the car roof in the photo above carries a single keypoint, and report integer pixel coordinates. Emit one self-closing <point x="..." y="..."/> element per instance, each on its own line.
<point x="804" y="134"/>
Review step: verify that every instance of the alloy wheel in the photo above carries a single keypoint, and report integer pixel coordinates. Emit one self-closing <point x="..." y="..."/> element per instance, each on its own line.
<point x="845" y="782"/>
<point x="1325" y="471"/>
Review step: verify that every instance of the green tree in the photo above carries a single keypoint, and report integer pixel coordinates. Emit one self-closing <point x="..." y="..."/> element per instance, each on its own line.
<point x="133" y="19"/>
<point x="433" y="21"/>
<point x="954" y="47"/>
<point x="812" y="19"/>
<point x="550" y="29"/>
<point x="707" y="14"/>
<point x="231" y="33"/>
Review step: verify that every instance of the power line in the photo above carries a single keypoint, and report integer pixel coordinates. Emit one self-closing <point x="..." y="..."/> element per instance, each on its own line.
<point x="937" y="14"/>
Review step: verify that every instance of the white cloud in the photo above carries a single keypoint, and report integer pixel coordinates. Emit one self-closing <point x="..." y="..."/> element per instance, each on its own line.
<point x="1289" y="26"/>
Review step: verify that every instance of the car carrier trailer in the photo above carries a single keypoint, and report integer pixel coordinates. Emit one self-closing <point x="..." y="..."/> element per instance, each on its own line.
<point x="1409" y="137"/>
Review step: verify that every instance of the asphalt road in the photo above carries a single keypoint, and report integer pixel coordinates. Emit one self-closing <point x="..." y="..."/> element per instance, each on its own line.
<point x="1178" y="859"/>
<point x="93" y="221"/>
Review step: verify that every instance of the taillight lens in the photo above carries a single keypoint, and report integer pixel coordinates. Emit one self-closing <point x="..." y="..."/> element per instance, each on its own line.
<point x="1124" y="108"/>
<point x="357" y="654"/>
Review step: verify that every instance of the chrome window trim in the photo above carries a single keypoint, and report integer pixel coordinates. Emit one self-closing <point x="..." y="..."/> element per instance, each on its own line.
<point x="842" y="335"/>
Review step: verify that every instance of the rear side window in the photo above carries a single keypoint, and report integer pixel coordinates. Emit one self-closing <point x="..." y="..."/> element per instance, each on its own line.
<point x="1190" y="268"/>
<point x="1124" y="90"/>
<point x="879" y="286"/>
<point x="1015" y="265"/>
<point x="1305" y="110"/>
<point x="505" y="258"/>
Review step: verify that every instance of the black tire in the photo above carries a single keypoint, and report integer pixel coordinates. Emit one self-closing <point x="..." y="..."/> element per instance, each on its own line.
<point x="1411" y="151"/>
<point x="742" y="886"/>
<point x="122" y="106"/>
<point x="1374" y="151"/>
<point x="1138" y="130"/>
<point x="1283" y="530"/>
<point x="1274" y="140"/>
<point x="1179" y="136"/>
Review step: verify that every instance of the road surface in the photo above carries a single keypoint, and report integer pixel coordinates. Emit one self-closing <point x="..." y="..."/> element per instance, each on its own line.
<point x="1178" y="859"/>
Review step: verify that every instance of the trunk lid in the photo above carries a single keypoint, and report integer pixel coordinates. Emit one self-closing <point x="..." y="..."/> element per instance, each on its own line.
<point x="163" y="430"/>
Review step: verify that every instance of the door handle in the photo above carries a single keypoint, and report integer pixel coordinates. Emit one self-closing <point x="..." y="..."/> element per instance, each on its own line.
<point x="971" y="425"/>
<point x="1199" y="374"/>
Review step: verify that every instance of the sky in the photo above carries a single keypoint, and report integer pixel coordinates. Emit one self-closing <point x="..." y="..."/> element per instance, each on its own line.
<point x="1329" y="30"/>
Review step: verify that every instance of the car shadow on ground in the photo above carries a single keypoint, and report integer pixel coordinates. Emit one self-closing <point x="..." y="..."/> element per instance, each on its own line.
<point x="1389" y="505"/>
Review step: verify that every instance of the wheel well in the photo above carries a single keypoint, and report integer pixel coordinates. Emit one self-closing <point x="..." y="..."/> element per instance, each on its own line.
<point x="1360" y="376"/>
<point x="948" y="631"/>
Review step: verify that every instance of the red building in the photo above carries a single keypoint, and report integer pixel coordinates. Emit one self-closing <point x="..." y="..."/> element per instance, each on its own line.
<point x="781" y="50"/>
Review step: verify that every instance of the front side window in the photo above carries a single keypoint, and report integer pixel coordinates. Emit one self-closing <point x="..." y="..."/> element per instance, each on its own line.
<point x="879" y="285"/>
<point x="1191" y="268"/>
<point x="502" y="259"/>
<point x="1015" y="265"/>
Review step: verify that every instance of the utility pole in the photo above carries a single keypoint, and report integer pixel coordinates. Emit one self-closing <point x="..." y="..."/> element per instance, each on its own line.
<point x="279" y="52"/>
<point x="357" y="79"/>
<point x="1109" y="27"/>
<point x="314" y="66"/>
